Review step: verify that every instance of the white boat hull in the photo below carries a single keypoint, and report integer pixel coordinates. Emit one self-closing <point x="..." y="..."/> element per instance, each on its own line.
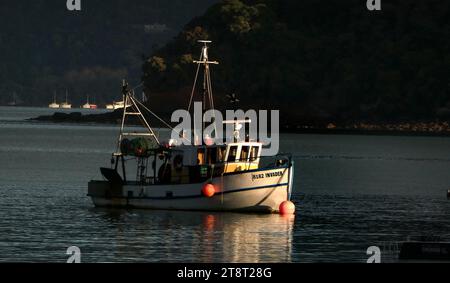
<point x="260" y="190"/>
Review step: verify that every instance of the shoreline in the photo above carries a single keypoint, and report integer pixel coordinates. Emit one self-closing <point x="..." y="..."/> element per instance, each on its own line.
<point x="431" y="129"/>
<point x="365" y="132"/>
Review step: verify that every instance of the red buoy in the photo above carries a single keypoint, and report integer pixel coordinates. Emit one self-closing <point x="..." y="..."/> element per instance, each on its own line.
<point x="208" y="190"/>
<point x="287" y="207"/>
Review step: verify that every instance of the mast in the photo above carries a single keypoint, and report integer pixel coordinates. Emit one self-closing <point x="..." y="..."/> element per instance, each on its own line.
<point x="207" y="94"/>
<point x="132" y="110"/>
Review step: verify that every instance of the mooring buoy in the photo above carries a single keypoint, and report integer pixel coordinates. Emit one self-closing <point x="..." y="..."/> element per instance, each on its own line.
<point x="287" y="207"/>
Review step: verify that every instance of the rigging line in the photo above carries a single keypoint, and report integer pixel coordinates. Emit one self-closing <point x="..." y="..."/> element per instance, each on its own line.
<point x="211" y="101"/>
<point x="156" y="116"/>
<point x="195" y="83"/>
<point x="136" y="87"/>
<point x="211" y="97"/>
<point x="162" y="121"/>
<point x="143" y="120"/>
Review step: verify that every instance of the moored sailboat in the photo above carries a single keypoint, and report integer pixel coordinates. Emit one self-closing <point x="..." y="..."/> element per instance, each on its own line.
<point x="66" y="104"/>
<point x="15" y="100"/>
<point x="88" y="105"/>
<point x="53" y="105"/>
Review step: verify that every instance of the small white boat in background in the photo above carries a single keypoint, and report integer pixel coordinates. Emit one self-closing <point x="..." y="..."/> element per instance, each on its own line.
<point x="66" y="104"/>
<point x="117" y="105"/>
<point x="15" y="100"/>
<point x="226" y="177"/>
<point x="88" y="105"/>
<point x="53" y="105"/>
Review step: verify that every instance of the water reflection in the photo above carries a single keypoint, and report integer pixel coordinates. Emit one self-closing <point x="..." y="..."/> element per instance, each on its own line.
<point x="174" y="236"/>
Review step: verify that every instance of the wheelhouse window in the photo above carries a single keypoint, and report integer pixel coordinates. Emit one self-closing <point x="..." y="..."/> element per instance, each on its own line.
<point x="244" y="153"/>
<point x="254" y="153"/>
<point x="232" y="154"/>
<point x="221" y="152"/>
<point x="201" y="156"/>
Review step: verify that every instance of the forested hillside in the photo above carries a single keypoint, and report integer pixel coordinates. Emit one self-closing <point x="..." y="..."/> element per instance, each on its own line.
<point x="44" y="48"/>
<point x="317" y="61"/>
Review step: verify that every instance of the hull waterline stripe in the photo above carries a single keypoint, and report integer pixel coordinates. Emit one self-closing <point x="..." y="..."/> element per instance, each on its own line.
<point x="201" y="196"/>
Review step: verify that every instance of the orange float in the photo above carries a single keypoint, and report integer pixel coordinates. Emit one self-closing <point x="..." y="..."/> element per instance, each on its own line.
<point x="208" y="190"/>
<point x="287" y="207"/>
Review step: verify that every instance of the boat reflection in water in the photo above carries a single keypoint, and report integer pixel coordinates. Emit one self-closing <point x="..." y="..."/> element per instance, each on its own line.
<point x="179" y="236"/>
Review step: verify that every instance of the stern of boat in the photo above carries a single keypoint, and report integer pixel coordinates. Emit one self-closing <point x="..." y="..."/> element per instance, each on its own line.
<point x="105" y="193"/>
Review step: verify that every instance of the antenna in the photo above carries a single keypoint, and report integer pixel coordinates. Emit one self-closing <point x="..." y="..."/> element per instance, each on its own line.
<point x="204" y="56"/>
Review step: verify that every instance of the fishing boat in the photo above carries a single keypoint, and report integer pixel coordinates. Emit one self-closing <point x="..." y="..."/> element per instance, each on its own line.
<point x="230" y="176"/>
<point x="66" y="104"/>
<point x="53" y="105"/>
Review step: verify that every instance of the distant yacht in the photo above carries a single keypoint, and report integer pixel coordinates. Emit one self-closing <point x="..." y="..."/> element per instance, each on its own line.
<point x="53" y="105"/>
<point x="66" y="104"/>
<point x="89" y="105"/>
<point x="14" y="101"/>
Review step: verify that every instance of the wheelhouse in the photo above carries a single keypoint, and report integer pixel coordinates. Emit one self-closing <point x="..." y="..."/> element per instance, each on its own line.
<point x="197" y="163"/>
<point x="242" y="156"/>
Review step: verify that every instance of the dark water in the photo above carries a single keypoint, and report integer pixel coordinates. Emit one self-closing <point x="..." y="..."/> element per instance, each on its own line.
<point x="351" y="192"/>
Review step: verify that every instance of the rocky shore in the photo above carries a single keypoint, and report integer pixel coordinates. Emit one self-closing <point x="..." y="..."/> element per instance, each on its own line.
<point x="437" y="128"/>
<point x="77" y="117"/>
